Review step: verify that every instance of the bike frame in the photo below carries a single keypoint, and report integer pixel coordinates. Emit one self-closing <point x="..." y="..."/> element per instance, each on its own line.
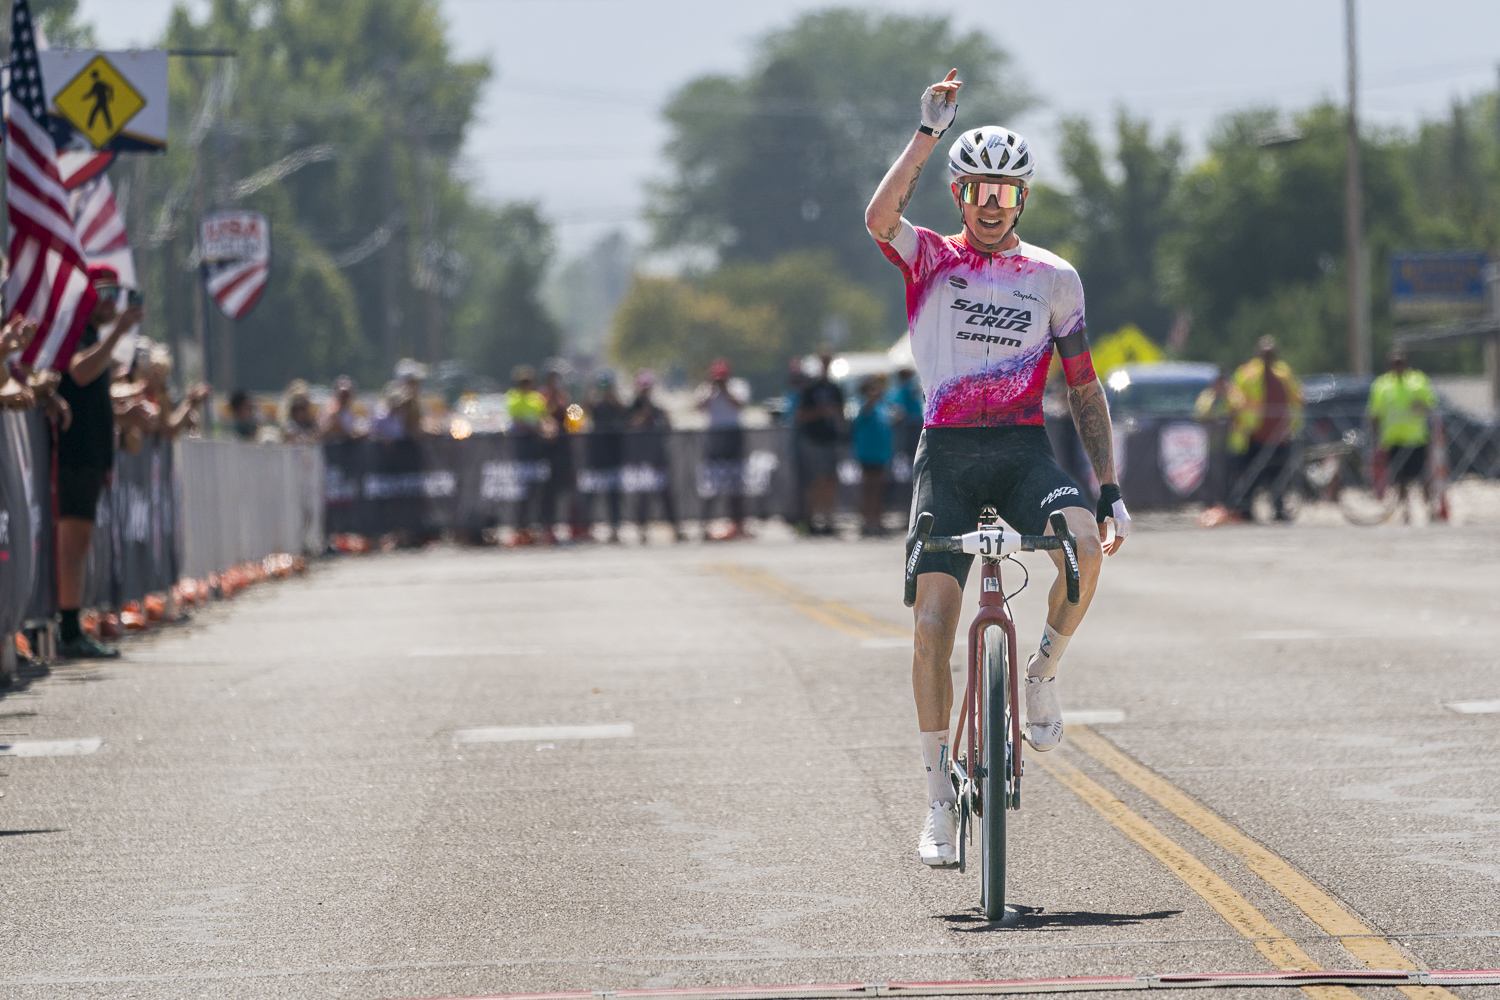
<point x="971" y="720"/>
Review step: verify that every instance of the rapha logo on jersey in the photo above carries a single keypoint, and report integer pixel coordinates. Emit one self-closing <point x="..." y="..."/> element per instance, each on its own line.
<point x="1025" y="295"/>
<point x="996" y="317"/>
<point x="957" y="282"/>
<point x="1061" y="491"/>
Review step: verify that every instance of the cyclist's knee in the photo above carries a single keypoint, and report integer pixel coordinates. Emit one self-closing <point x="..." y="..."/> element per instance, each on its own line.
<point x="1090" y="557"/>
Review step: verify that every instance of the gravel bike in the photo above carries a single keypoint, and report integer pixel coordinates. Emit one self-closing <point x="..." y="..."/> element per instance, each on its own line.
<point x="986" y="762"/>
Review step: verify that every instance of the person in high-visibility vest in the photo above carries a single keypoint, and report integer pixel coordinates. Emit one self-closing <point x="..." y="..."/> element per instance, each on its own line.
<point x="1400" y="402"/>
<point x="1265" y="403"/>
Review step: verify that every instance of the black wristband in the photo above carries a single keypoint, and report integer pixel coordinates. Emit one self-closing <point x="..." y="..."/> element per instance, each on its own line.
<point x="1108" y="494"/>
<point x="927" y="131"/>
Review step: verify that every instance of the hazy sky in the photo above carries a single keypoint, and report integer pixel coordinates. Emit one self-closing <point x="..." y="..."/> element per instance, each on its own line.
<point x="579" y="83"/>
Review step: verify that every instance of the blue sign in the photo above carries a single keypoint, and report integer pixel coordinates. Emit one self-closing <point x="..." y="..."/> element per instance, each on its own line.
<point x="1443" y="279"/>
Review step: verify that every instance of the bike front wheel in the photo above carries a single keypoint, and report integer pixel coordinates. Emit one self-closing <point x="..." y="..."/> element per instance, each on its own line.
<point x="1360" y="505"/>
<point x="995" y="771"/>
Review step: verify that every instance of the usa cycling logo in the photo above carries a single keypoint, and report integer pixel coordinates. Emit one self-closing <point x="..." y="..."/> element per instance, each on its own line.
<point x="1061" y="491"/>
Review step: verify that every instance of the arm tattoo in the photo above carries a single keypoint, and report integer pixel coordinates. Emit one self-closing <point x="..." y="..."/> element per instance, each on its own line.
<point x="911" y="189"/>
<point x="1091" y="417"/>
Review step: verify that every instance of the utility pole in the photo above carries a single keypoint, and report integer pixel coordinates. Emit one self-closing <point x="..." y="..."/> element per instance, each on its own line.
<point x="1354" y="217"/>
<point x="392" y="264"/>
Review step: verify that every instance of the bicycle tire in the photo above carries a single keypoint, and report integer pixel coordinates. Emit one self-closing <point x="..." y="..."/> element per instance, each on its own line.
<point x="1359" y="505"/>
<point x="997" y="766"/>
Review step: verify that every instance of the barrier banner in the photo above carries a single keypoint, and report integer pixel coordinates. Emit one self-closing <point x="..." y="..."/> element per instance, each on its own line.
<point x="135" y="536"/>
<point x="438" y="484"/>
<point x="19" y="514"/>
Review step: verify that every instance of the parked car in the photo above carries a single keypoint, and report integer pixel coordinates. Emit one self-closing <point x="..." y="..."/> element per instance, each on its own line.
<point x="1164" y="389"/>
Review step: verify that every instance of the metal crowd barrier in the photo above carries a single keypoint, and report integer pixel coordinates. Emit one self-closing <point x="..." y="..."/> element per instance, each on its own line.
<point x="171" y="511"/>
<point x="242" y="502"/>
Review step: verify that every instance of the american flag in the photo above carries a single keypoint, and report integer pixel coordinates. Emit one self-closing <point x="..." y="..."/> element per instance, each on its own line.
<point x="101" y="228"/>
<point x="48" y="277"/>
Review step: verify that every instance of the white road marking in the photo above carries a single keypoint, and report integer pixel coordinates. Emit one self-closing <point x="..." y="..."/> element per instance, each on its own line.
<point x="51" y="748"/>
<point x="1474" y="707"/>
<point x="887" y="643"/>
<point x="1303" y="634"/>
<point x="1095" y="717"/>
<point x="479" y="651"/>
<point x="517" y="734"/>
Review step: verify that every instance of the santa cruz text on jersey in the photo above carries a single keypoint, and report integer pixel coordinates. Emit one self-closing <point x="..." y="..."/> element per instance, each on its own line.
<point x="984" y="326"/>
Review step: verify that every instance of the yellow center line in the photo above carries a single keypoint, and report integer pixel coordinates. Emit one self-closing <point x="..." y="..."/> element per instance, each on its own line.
<point x="1279" y="949"/>
<point x="1357" y="938"/>
<point x="835" y="614"/>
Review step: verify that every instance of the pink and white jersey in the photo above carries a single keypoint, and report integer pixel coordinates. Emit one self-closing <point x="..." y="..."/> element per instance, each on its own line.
<point x="983" y="325"/>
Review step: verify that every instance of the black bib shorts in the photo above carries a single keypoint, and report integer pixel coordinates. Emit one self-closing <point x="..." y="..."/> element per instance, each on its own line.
<point x="959" y="470"/>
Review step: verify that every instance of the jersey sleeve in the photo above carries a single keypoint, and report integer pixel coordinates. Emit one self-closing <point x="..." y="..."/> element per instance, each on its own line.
<point x="905" y="251"/>
<point x="1068" y="327"/>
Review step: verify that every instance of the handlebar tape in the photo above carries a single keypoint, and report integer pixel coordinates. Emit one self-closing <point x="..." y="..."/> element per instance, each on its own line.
<point x="916" y="542"/>
<point x="1069" y="546"/>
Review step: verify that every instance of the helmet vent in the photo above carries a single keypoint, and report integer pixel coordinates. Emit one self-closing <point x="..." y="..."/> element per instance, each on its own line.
<point x="967" y="158"/>
<point x="984" y="154"/>
<point x="1022" y="160"/>
<point x="1004" y="158"/>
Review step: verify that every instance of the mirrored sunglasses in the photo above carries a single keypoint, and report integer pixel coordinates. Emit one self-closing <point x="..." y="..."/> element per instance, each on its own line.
<point x="980" y="192"/>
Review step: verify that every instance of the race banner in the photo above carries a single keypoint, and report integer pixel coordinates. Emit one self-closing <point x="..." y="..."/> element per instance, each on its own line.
<point x="106" y="101"/>
<point x="236" y="248"/>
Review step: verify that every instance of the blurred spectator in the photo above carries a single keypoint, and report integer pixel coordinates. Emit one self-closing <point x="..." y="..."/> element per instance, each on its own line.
<point x="1213" y="402"/>
<point x="1265" y="412"/>
<point x="243" y="420"/>
<point x="86" y="456"/>
<point x="606" y="447"/>
<point x="340" y="423"/>
<point x="724" y="444"/>
<point x="651" y="467"/>
<point x="1400" y="401"/>
<point x="399" y="417"/>
<point x="906" y="412"/>
<point x="14" y="338"/>
<point x="796" y="381"/>
<point x="558" y="488"/>
<point x="820" y="424"/>
<point x="158" y="391"/>
<point x="526" y="407"/>
<point x="873" y="445"/>
<point x="298" y="423"/>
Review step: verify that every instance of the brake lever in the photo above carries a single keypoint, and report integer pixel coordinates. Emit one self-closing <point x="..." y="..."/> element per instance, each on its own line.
<point x="1069" y="544"/>
<point x="915" y="543"/>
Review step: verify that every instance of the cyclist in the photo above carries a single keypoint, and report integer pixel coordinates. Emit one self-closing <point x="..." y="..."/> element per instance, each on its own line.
<point x="986" y="312"/>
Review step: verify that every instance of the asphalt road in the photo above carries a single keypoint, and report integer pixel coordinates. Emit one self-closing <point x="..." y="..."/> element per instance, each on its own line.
<point x="286" y="800"/>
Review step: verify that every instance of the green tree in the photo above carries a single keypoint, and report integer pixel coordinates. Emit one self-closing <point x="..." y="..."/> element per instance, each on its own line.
<point x="756" y="315"/>
<point x="1112" y="220"/>
<point x="664" y="322"/>
<point x="341" y="120"/>
<point x="501" y="322"/>
<point x="786" y="157"/>
<point x="1263" y="230"/>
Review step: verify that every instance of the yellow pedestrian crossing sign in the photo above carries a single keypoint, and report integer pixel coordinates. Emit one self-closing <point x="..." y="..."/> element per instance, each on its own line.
<point x="99" y="101"/>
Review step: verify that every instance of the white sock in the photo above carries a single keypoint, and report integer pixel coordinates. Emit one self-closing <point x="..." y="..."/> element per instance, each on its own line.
<point x="935" y="759"/>
<point x="1044" y="661"/>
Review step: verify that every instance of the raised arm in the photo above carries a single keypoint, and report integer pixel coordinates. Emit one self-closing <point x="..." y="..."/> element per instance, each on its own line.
<point x="939" y="106"/>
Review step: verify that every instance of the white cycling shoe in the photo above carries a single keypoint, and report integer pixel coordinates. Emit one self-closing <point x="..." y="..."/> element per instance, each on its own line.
<point x="1044" y="723"/>
<point x="939" y="844"/>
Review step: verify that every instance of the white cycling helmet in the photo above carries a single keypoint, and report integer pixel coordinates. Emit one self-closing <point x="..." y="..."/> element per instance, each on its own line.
<point x="991" y="151"/>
